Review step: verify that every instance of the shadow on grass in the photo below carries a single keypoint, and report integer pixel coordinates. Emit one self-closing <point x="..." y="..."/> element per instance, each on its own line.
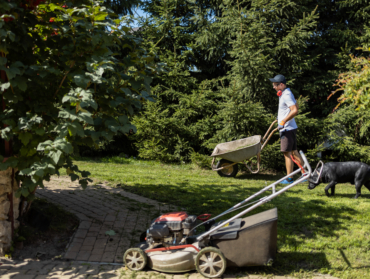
<point x="270" y="177"/>
<point x="284" y="264"/>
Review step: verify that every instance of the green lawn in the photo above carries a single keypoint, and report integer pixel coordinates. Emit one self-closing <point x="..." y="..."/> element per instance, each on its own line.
<point x="316" y="234"/>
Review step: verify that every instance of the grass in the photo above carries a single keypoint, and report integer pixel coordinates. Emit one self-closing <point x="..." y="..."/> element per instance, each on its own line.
<point x="316" y="234"/>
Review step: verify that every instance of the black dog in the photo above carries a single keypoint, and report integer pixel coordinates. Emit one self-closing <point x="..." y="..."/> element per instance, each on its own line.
<point x="356" y="173"/>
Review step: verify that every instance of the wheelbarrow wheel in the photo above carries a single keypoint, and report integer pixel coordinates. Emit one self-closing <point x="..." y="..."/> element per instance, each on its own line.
<point x="135" y="259"/>
<point x="230" y="171"/>
<point x="210" y="262"/>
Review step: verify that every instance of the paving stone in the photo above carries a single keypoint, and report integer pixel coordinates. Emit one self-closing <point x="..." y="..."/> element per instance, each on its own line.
<point x="85" y="225"/>
<point x="92" y="234"/>
<point x="8" y="275"/>
<point x="86" y="248"/>
<point x="107" y="224"/>
<point x="83" y="255"/>
<point x="89" y="241"/>
<point x="118" y="258"/>
<point x="35" y="265"/>
<point x="33" y="272"/>
<point x="23" y="276"/>
<point x="92" y="270"/>
<point x="110" y="248"/>
<point x="108" y="257"/>
<point x="71" y="255"/>
<point x="80" y="233"/>
<point x="21" y="265"/>
<point x="46" y="269"/>
<point x="110" y="218"/>
<point x="75" y="246"/>
<point x="6" y="266"/>
<point x="95" y="257"/>
<point x="71" y="270"/>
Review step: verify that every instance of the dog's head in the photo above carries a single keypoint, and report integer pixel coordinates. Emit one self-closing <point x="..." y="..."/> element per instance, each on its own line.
<point x="312" y="181"/>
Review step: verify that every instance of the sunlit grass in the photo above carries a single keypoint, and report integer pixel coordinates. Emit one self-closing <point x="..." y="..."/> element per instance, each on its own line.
<point x="316" y="234"/>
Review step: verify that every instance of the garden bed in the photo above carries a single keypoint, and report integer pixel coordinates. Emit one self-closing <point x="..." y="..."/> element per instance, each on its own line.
<point x="45" y="232"/>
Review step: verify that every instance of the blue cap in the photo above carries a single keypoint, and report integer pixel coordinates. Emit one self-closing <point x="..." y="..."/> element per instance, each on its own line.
<point x="278" y="78"/>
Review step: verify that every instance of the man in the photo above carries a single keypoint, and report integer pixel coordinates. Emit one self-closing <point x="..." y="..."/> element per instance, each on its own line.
<point x="288" y="108"/>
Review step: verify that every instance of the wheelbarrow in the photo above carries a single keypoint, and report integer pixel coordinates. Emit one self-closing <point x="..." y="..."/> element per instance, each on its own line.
<point x="238" y="151"/>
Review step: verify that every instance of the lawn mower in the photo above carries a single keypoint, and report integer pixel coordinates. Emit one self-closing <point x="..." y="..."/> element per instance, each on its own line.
<point x="171" y="245"/>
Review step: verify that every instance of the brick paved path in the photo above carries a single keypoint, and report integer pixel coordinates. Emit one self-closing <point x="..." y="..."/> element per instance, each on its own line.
<point x="102" y="209"/>
<point x="92" y="253"/>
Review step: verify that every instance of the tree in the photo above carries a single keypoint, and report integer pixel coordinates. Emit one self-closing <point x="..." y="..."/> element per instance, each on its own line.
<point x="355" y="84"/>
<point x="73" y="77"/>
<point x="121" y="7"/>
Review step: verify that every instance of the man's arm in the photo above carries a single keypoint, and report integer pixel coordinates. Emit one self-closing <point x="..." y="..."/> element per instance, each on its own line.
<point x="293" y="112"/>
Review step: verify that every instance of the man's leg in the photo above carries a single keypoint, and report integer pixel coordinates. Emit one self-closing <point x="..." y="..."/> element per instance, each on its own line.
<point x="298" y="157"/>
<point x="289" y="164"/>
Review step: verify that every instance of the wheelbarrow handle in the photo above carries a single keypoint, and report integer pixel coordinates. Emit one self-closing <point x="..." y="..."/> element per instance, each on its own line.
<point x="258" y="164"/>
<point x="273" y="131"/>
<point x="272" y="124"/>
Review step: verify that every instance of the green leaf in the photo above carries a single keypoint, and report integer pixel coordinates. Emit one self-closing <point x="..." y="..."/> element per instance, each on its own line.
<point x="25" y="171"/>
<point x="55" y="156"/>
<point x="101" y="16"/>
<point x="19" y="82"/>
<point x="3" y="60"/>
<point x="65" y="146"/>
<point x="40" y="131"/>
<point x="75" y="128"/>
<point x="86" y="116"/>
<point x="39" y="173"/>
<point x="110" y="232"/>
<point x="83" y="182"/>
<point x="5" y="86"/>
<point x="25" y="137"/>
<point x="9" y="163"/>
<point x="73" y="176"/>
<point x="123" y="119"/>
<point x="81" y="80"/>
<point x="25" y="192"/>
<point x="12" y="72"/>
<point x="43" y="145"/>
<point x="18" y="193"/>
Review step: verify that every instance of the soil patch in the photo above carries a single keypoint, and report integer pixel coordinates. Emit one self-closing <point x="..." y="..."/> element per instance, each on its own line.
<point x="45" y="232"/>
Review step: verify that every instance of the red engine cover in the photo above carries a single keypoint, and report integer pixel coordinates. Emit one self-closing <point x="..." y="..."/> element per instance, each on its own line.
<point x="172" y="216"/>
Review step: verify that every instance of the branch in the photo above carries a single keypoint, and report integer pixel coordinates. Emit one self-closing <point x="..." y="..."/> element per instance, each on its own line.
<point x="61" y="83"/>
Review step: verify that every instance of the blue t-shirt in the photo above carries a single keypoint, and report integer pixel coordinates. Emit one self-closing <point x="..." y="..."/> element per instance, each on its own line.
<point x="286" y="100"/>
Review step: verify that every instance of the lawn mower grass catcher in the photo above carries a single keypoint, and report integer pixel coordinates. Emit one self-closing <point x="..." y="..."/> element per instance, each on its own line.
<point x="170" y="244"/>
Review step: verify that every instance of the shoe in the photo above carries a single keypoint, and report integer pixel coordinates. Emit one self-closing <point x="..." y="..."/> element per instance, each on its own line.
<point x="304" y="181"/>
<point x="287" y="181"/>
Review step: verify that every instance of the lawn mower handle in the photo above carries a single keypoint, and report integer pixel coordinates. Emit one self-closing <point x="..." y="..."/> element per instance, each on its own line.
<point x="306" y="164"/>
<point x="264" y="199"/>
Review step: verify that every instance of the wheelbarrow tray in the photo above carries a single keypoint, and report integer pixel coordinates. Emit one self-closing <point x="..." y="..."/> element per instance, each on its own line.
<point x="238" y="150"/>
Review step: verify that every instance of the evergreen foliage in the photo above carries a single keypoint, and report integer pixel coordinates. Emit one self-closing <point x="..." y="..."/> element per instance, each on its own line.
<point x="219" y="56"/>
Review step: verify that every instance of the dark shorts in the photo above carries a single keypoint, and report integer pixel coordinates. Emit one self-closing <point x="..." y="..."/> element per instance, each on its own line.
<point x="288" y="140"/>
